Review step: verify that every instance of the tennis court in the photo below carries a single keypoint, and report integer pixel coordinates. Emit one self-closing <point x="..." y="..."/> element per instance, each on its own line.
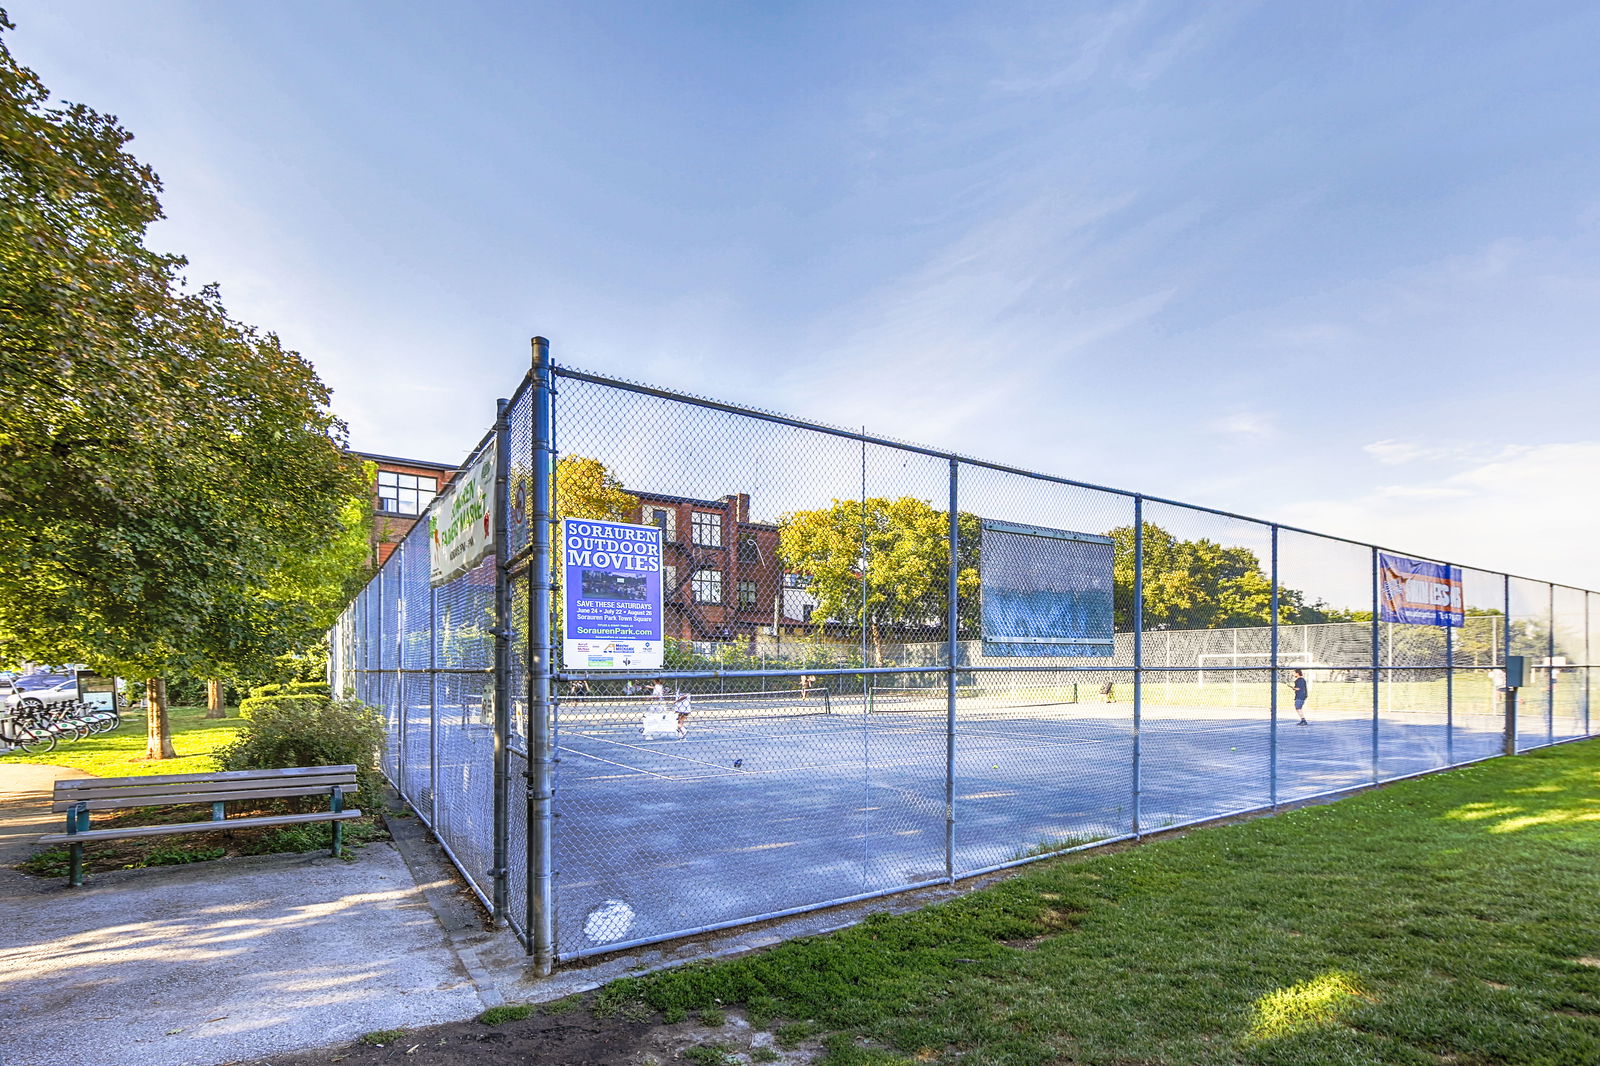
<point x="833" y="799"/>
<point x="819" y="588"/>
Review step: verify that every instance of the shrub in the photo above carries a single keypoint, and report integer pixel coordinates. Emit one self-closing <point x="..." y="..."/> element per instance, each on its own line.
<point x="293" y="688"/>
<point x="255" y="705"/>
<point x="306" y="730"/>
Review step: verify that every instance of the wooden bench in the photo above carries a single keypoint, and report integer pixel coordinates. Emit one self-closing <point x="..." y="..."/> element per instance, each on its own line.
<point x="79" y="796"/>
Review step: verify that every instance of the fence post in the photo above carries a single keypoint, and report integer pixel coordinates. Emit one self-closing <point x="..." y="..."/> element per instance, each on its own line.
<point x="1272" y="700"/>
<point x="866" y="567"/>
<point x="1450" y="684"/>
<point x="502" y="660"/>
<point x="402" y="711"/>
<point x="952" y="650"/>
<point x="1376" y="673"/>
<point x="1507" y="695"/>
<point x="390" y="718"/>
<point x="541" y="815"/>
<point x="1550" y="668"/>
<point x="433" y="707"/>
<point x="1138" y="663"/>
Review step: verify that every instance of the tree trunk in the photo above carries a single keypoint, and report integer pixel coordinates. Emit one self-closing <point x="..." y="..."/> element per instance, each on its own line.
<point x="214" y="708"/>
<point x="158" y="740"/>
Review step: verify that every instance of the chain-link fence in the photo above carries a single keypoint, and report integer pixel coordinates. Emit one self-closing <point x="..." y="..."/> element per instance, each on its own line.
<point x="853" y="725"/>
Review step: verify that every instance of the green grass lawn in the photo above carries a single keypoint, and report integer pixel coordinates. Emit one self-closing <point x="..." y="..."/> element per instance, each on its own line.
<point x="120" y="753"/>
<point x="1450" y="919"/>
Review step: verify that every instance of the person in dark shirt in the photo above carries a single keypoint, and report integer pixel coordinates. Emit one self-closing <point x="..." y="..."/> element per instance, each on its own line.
<point x="1300" y="688"/>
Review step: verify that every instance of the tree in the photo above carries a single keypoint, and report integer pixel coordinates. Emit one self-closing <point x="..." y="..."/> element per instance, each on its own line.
<point x="169" y="473"/>
<point x="317" y="584"/>
<point x="901" y="548"/>
<point x="1199" y="584"/>
<point x="586" y="489"/>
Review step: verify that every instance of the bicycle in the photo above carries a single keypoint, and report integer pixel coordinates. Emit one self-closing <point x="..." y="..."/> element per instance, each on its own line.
<point x="99" y="719"/>
<point x="17" y="732"/>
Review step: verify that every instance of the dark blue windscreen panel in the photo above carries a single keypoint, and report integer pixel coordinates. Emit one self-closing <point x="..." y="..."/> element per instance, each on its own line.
<point x="1045" y="591"/>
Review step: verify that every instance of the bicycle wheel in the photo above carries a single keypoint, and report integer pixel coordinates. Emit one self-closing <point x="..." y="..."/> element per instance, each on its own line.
<point x="36" y="742"/>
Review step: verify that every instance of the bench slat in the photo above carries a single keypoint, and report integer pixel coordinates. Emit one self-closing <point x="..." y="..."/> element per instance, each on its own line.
<point x="96" y="802"/>
<point x="197" y="827"/>
<point x="302" y="784"/>
<point x="70" y="784"/>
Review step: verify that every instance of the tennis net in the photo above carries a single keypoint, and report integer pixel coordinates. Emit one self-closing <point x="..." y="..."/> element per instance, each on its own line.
<point x="776" y="703"/>
<point x="976" y="701"/>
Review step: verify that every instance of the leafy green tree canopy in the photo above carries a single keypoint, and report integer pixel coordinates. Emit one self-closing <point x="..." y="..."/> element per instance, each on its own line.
<point x="174" y="495"/>
<point x="1200" y="584"/>
<point x="900" y="547"/>
<point x="586" y="489"/>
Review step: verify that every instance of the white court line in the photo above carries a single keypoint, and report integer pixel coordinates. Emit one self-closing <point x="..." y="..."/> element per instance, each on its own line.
<point x="610" y="762"/>
<point x="656" y="751"/>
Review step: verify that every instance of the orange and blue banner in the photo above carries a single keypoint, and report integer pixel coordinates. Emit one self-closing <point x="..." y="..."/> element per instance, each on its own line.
<point x="1418" y="592"/>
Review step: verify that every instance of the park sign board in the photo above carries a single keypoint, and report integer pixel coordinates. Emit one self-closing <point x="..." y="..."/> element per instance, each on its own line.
<point x="462" y="523"/>
<point x="1046" y="591"/>
<point x="96" y="691"/>
<point x="611" y="603"/>
<point x="1419" y="593"/>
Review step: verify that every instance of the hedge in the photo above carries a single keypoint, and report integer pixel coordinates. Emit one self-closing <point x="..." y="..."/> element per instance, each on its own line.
<point x="293" y="688"/>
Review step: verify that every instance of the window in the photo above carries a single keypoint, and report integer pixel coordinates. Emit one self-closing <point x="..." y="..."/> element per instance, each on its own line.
<point x="806" y="609"/>
<point x="669" y="581"/>
<point x="707" y="529"/>
<point x="708" y="586"/>
<point x="747" y="594"/>
<point x="663" y="519"/>
<point x="749" y="550"/>
<point x="796" y="581"/>
<point x="405" y="493"/>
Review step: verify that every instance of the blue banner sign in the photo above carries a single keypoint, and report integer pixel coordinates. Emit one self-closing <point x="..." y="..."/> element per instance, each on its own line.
<point x="611" y="574"/>
<point x="1418" y="592"/>
<point x="1045" y="591"/>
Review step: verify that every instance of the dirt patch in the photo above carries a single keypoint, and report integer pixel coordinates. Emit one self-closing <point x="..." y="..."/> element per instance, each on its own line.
<point x="572" y="1038"/>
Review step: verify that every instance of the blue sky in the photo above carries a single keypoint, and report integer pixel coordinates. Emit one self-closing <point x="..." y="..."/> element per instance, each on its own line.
<point x="1331" y="264"/>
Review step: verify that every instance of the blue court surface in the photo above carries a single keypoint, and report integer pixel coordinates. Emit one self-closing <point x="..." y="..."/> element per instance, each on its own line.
<point x="757" y="810"/>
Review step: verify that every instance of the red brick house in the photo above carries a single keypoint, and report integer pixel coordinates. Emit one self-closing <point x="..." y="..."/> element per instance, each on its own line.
<point x="723" y="578"/>
<point x="402" y="492"/>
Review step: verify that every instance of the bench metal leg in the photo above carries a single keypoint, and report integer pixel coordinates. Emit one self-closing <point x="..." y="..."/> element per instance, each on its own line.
<point x="77" y="822"/>
<point x="336" y="804"/>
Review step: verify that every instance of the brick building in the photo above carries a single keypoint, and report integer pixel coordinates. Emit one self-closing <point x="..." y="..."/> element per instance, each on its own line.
<point x="403" y="491"/>
<point x="723" y="578"/>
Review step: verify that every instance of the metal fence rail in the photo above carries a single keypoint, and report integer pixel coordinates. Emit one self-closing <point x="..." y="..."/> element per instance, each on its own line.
<point x="851" y="736"/>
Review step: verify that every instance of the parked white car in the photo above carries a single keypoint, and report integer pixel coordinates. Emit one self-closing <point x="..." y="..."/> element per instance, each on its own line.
<point x="41" y="690"/>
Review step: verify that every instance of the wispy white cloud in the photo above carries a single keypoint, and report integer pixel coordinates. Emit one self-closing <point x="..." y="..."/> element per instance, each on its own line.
<point x="1133" y="43"/>
<point x="1247" y="426"/>
<point x="1527" y="511"/>
<point x="1397" y="452"/>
